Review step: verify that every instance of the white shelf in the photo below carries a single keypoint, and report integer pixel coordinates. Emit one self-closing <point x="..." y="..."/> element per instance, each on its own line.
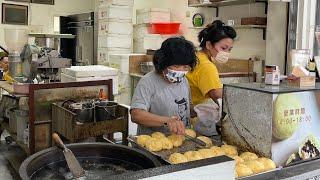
<point x="60" y="36"/>
<point x="202" y="27"/>
<point x="250" y="27"/>
<point x="227" y="3"/>
<point x="239" y="27"/>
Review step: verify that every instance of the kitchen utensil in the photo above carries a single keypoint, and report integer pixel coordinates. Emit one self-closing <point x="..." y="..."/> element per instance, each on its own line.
<point x="99" y="160"/>
<point x="105" y="110"/>
<point x="84" y="111"/>
<point x="72" y="162"/>
<point x="196" y="140"/>
<point x="187" y="145"/>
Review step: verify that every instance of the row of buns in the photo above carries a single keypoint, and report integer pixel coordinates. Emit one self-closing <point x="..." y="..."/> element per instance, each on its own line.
<point x="247" y="163"/>
<point x="157" y="141"/>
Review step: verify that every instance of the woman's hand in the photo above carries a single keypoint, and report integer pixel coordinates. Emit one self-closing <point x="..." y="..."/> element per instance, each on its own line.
<point x="175" y="125"/>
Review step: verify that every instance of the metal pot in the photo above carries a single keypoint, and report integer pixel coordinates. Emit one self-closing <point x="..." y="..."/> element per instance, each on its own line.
<point x="114" y="159"/>
<point x="84" y="110"/>
<point x="105" y="110"/>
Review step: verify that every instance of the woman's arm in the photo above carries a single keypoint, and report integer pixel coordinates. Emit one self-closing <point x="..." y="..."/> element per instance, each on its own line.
<point x="148" y="119"/>
<point x="215" y="94"/>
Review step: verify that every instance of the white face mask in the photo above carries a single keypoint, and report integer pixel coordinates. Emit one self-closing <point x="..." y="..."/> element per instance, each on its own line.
<point x="222" y="57"/>
<point x="175" y="76"/>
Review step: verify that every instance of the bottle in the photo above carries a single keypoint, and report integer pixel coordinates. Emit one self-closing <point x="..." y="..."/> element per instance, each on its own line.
<point x="102" y="95"/>
<point x="312" y="65"/>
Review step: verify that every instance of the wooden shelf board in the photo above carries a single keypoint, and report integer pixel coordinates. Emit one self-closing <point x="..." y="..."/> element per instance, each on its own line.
<point x="226" y="3"/>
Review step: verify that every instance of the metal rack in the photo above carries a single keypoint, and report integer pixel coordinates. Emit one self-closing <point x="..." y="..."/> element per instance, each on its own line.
<point x="41" y="97"/>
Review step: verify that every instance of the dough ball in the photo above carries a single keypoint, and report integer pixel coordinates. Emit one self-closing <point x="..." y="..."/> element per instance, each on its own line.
<point x="206" y="140"/>
<point x="229" y="150"/>
<point x="255" y="166"/>
<point x="142" y="139"/>
<point x="193" y="155"/>
<point x="206" y="153"/>
<point x="248" y="156"/>
<point x="237" y="159"/>
<point x="154" y="145"/>
<point x="217" y="151"/>
<point x="166" y="143"/>
<point x="243" y="170"/>
<point x="191" y="132"/>
<point x="158" y="135"/>
<point x="267" y="163"/>
<point x="177" y="158"/>
<point x="176" y="140"/>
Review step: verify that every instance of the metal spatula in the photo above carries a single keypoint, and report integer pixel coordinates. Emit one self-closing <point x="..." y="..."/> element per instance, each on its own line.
<point x="72" y="162"/>
<point x="196" y="140"/>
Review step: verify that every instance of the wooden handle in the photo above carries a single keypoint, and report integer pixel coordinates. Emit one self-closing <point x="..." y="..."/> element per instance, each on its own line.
<point x="58" y="141"/>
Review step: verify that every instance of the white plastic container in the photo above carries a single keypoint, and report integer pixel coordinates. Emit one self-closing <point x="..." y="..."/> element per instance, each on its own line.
<point x="109" y="12"/>
<point x="140" y="30"/>
<point x="299" y="57"/>
<point x="115" y="41"/>
<point x="138" y="46"/>
<point x="115" y="27"/>
<point x="103" y="53"/>
<point x="90" y="73"/>
<point x="115" y="88"/>
<point x="149" y="41"/>
<point x="121" y="61"/>
<point x="15" y="38"/>
<point x="151" y="15"/>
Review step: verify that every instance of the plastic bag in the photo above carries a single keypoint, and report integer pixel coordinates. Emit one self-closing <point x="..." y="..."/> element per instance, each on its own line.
<point x="208" y="115"/>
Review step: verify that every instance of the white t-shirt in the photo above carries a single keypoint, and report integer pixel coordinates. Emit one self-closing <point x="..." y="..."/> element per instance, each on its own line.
<point x="155" y="95"/>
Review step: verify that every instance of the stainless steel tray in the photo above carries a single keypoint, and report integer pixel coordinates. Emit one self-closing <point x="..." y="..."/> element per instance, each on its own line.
<point x="187" y="145"/>
<point x="264" y="175"/>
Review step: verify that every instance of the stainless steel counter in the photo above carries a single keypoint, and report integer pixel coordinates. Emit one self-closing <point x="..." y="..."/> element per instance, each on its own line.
<point x="283" y="88"/>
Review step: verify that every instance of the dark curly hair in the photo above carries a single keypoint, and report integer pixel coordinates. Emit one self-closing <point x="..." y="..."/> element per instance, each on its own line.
<point x="215" y="32"/>
<point x="175" y="51"/>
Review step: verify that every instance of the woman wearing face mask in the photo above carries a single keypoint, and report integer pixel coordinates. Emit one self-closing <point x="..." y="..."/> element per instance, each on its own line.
<point x="161" y="101"/>
<point x="216" y="42"/>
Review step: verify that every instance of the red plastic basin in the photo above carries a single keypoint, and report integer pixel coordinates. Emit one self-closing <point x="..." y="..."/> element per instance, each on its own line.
<point x="164" y="28"/>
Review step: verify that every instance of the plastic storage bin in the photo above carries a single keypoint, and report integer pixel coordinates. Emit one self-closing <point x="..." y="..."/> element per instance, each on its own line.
<point x="164" y="28"/>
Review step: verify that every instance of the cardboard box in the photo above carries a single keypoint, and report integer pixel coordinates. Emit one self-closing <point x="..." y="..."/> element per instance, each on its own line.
<point x="305" y="81"/>
<point x="254" y="21"/>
